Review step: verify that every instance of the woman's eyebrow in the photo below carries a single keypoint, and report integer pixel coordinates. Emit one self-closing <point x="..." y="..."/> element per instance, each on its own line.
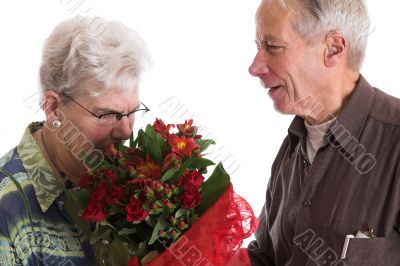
<point x="109" y="110"/>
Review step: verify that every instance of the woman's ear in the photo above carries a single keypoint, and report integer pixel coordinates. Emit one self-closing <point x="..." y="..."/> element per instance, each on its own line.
<point x="336" y="47"/>
<point x="51" y="104"/>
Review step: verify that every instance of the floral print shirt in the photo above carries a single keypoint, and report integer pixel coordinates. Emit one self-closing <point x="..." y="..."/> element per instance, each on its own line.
<point x="41" y="233"/>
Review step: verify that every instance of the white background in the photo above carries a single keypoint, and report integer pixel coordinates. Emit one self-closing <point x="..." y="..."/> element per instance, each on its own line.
<point x="201" y="51"/>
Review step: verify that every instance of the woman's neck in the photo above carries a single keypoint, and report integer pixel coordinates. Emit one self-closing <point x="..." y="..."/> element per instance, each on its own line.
<point x="63" y="164"/>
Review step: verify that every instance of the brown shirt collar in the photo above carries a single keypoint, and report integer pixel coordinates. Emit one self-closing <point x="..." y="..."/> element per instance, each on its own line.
<point x="349" y="123"/>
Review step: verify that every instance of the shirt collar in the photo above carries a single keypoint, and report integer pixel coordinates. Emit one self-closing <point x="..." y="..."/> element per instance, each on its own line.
<point x="47" y="187"/>
<point x="347" y="128"/>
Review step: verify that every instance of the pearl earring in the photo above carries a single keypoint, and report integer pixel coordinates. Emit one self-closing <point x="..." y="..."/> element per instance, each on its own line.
<point x="56" y="123"/>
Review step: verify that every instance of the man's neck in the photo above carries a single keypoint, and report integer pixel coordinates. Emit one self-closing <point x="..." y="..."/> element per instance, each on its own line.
<point x="335" y="104"/>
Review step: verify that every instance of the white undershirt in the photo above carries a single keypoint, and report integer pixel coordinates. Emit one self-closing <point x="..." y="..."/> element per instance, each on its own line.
<point x="315" y="137"/>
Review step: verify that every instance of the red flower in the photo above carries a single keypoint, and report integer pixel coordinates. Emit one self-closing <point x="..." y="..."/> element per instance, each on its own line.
<point x="191" y="179"/>
<point x="112" y="176"/>
<point x="86" y="180"/>
<point x="187" y="128"/>
<point x="111" y="151"/>
<point x="99" y="194"/>
<point x="170" y="161"/>
<point x="140" y="182"/>
<point x="94" y="212"/>
<point x="116" y="194"/>
<point x="148" y="168"/>
<point x="134" y="261"/>
<point x="161" y="128"/>
<point x="182" y="145"/>
<point x="134" y="211"/>
<point x="190" y="198"/>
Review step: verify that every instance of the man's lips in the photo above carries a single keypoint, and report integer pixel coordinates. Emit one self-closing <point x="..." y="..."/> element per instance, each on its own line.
<point x="273" y="89"/>
<point x="270" y="88"/>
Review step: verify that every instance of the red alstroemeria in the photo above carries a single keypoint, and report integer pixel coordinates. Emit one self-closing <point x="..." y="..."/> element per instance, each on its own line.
<point x="190" y="198"/>
<point x="140" y="182"/>
<point x="134" y="261"/>
<point x="171" y="160"/>
<point x="132" y="157"/>
<point x="112" y="176"/>
<point x="99" y="194"/>
<point x="148" y="168"/>
<point x="116" y="195"/>
<point x="111" y="151"/>
<point x="94" y="212"/>
<point x="160" y="127"/>
<point x="182" y="145"/>
<point x="135" y="212"/>
<point x="187" y="128"/>
<point x="191" y="179"/>
<point x="86" y="180"/>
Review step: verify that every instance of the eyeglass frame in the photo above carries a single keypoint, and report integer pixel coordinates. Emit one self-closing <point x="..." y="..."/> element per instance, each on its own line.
<point x="118" y="115"/>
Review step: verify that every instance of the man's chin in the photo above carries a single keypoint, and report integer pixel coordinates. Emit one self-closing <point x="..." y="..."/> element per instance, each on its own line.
<point x="283" y="109"/>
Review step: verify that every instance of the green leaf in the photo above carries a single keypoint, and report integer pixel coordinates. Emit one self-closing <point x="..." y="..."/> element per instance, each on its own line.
<point x="161" y="143"/>
<point x="179" y="213"/>
<point x="148" y="143"/>
<point x="114" y="210"/>
<point x="154" y="149"/>
<point x="169" y="174"/>
<point x="114" y="253"/>
<point x="150" y="131"/>
<point x="160" y="225"/>
<point x="213" y="188"/>
<point x="107" y="224"/>
<point x="141" y="140"/>
<point x="132" y="141"/>
<point x="127" y="231"/>
<point x="192" y="163"/>
<point x="80" y="198"/>
<point x="72" y="208"/>
<point x="204" y="143"/>
<point x="101" y="232"/>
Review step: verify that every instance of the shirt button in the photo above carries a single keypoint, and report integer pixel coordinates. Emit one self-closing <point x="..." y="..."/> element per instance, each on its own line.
<point x="307" y="203"/>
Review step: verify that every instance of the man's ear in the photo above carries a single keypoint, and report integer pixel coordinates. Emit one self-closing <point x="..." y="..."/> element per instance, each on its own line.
<point x="51" y="104"/>
<point x="336" y="47"/>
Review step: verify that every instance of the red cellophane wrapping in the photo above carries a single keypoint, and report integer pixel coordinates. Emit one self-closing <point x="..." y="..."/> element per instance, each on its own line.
<point x="215" y="239"/>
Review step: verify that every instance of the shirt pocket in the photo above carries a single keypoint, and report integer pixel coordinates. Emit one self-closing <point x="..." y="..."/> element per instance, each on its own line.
<point x="366" y="252"/>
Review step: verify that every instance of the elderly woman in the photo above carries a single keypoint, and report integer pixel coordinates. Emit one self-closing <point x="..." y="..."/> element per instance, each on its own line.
<point x="90" y="94"/>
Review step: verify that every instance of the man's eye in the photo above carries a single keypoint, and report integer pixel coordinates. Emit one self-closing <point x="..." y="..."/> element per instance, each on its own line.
<point x="273" y="48"/>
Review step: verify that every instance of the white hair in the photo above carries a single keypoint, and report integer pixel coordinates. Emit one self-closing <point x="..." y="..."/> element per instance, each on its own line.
<point x="75" y="55"/>
<point x="349" y="17"/>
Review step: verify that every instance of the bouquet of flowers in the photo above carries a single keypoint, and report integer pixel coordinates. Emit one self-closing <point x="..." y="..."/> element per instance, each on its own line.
<point x="149" y="203"/>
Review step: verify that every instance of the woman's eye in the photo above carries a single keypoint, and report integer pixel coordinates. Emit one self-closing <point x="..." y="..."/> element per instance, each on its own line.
<point x="107" y="116"/>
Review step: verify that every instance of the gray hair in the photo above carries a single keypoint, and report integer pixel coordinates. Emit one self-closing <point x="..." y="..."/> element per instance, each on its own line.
<point x="349" y="17"/>
<point x="74" y="56"/>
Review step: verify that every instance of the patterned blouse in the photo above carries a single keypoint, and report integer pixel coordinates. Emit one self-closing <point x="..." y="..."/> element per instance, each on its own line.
<point x="41" y="233"/>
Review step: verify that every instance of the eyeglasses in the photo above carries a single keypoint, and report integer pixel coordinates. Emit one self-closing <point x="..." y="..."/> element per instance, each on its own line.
<point x="111" y="118"/>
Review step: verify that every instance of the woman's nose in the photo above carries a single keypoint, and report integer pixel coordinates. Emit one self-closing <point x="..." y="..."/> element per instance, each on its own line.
<point x="123" y="128"/>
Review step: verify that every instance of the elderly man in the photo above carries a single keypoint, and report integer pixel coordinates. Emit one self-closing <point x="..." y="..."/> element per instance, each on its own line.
<point x="334" y="193"/>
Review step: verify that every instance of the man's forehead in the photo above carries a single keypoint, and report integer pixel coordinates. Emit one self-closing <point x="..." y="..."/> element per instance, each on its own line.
<point x="272" y="22"/>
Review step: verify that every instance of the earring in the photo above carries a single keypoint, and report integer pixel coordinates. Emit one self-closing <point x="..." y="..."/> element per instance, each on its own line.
<point x="56" y="123"/>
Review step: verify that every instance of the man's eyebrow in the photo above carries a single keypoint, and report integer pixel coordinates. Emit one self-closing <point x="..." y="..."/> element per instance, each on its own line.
<point x="269" y="37"/>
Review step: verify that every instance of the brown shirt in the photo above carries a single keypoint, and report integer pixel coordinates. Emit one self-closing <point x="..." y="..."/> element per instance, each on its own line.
<point x="352" y="185"/>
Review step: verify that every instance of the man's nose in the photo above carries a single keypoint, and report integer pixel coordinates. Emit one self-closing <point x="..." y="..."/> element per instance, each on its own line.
<point x="259" y="66"/>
